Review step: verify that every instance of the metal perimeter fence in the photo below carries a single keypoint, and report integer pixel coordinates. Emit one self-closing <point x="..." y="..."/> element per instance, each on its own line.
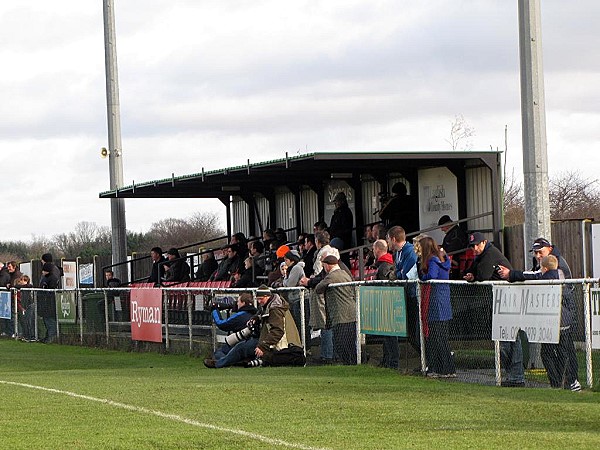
<point x="384" y="323"/>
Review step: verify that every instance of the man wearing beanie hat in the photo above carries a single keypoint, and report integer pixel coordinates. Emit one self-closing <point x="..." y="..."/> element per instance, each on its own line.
<point x="277" y="332"/>
<point x="340" y="303"/>
<point x="456" y="242"/>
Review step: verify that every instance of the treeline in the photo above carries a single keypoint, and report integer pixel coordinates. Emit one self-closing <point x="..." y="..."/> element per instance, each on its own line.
<point x="89" y="239"/>
<point x="571" y="197"/>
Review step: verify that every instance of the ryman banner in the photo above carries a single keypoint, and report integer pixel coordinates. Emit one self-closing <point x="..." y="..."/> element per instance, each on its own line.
<point x="382" y="310"/>
<point x="535" y="309"/>
<point x="146" y="315"/>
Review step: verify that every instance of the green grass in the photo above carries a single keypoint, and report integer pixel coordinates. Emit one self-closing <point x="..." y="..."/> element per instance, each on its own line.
<point x="334" y="407"/>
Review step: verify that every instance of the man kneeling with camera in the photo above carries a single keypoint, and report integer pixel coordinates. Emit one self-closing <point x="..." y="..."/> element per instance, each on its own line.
<point x="278" y="342"/>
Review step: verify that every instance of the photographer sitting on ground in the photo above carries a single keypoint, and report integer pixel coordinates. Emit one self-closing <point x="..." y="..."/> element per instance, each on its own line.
<point x="278" y="343"/>
<point x="243" y="311"/>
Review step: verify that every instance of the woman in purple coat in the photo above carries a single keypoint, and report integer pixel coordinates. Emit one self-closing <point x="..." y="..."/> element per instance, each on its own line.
<point x="434" y="264"/>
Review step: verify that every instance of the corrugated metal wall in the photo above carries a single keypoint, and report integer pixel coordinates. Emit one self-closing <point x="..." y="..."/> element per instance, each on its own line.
<point x="285" y="211"/>
<point x="370" y="199"/>
<point x="240" y="217"/>
<point x="309" y="209"/>
<point x="262" y="205"/>
<point x="479" y="199"/>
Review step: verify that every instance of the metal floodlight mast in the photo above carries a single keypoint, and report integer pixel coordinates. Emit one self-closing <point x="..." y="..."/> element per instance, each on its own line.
<point x="533" y="120"/>
<point x="115" y="151"/>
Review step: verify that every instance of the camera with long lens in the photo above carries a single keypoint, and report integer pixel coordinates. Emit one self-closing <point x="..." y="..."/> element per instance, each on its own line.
<point x="244" y="334"/>
<point x="222" y="302"/>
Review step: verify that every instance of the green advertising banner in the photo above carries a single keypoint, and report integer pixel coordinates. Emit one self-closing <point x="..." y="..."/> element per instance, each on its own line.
<point x="383" y="310"/>
<point x="66" y="307"/>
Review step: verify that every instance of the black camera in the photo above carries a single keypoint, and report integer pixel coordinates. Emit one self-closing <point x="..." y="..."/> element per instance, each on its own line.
<point x="497" y="268"/>
<point x="222" y="302"/>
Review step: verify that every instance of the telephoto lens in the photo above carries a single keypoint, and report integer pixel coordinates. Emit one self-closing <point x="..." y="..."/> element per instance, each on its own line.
<point x="239" y="336"/>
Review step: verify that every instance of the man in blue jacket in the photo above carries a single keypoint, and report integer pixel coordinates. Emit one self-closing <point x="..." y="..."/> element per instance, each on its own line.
<point x="236" y="322"/>
<point x="405" y="261"/>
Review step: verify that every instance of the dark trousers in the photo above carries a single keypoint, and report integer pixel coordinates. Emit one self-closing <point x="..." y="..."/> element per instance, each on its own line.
<point x="439" y="356"/>
<point x="344" y="342"/>
<point x="391" y="354"/>
<point x="560" y="361"/>
<point x="413" y="328"/>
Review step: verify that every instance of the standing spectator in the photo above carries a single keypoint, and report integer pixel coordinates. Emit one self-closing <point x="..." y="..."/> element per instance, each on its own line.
<point x="25" y="307"/>
<point x="384" y="263"/>
<point x="207" y="267"/>
<point x="177" y="269"/>
<point x="4" y="275"/>
<point x="15" y="273"/>
<point x="158" y="261"/>
<point x="400" y="208"/>
<point x="310" y="250"/>
<point x="456" y="242"/>
<point x="435" y="265"/>
<point x="340" y="303"/>
<point x="47" y="302"/>
<point x="342" y="221"/>
<point x="405" y="260"/>
<point x="560" y="360"/>
<point x="486" y="257"/>
<point x="293" y="273"/>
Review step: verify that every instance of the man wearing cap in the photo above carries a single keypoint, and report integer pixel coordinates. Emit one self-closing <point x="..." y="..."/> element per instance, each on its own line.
<point x="482" y="269"/>
<point x="454" y="244"/>
<point x="340" y="305"/>
<point x="560" y="360"/>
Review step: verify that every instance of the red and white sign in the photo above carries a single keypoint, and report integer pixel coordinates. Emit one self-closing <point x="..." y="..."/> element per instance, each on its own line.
<point x="146" y="315"/>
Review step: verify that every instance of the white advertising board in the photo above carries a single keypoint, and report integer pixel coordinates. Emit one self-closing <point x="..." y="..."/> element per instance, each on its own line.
<point x="438" y="196"/>
<point x="535" y="309"/>
<point x="595" y="311"/>
<point x="70" y="275"/>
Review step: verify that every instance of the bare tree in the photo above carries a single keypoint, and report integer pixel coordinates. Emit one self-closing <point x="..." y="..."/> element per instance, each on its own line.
<point x="460" y="134"/>
<point x="574" y="197"/>
<point x="514" y="209"/>
<point x="181" y="232"/>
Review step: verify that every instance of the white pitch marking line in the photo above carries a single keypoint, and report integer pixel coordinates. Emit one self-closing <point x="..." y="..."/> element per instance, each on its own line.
<point x="164" y="415"/>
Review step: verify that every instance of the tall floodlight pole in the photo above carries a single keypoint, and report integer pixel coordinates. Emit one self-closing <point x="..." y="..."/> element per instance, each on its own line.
<point x="533" y="122"/>
<point x="115" y="151"/>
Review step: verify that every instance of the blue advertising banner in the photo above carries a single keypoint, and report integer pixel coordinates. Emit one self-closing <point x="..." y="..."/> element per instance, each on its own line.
<point x="5" y="305"/>
<point x="383" y="310"/>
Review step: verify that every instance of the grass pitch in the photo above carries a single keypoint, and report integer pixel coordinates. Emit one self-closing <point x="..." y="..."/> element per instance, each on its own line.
<point x="100" y="399"/>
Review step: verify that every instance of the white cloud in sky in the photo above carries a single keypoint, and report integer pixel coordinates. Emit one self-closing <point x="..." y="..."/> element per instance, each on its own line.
<point x="212" y="84"/>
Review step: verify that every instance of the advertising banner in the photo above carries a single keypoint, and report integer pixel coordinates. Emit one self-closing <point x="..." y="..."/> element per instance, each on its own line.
<point x="69" y="280"/>
<point x="5" y="305"/>
<point x="438" y="196"/>
<point x="535" y="309"/>
<point x="66" y="307"/>
<point x="146" y="315"/>
<point x="382" y="310"/>
<point x="595" y="311"/>
<point x="86" y="274"/>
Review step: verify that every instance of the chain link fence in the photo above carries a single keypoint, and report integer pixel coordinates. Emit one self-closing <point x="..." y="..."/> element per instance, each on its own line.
<point x="382" y="323"/>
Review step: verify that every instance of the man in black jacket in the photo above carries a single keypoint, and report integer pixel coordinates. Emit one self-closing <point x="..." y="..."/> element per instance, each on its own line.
<point x="487" y="256"/>
<point x="455" y="243"/>
<point x="158" y="260"/>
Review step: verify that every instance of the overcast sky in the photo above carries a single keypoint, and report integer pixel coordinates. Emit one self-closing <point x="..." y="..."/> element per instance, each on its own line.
<point x="213" y="83"/>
